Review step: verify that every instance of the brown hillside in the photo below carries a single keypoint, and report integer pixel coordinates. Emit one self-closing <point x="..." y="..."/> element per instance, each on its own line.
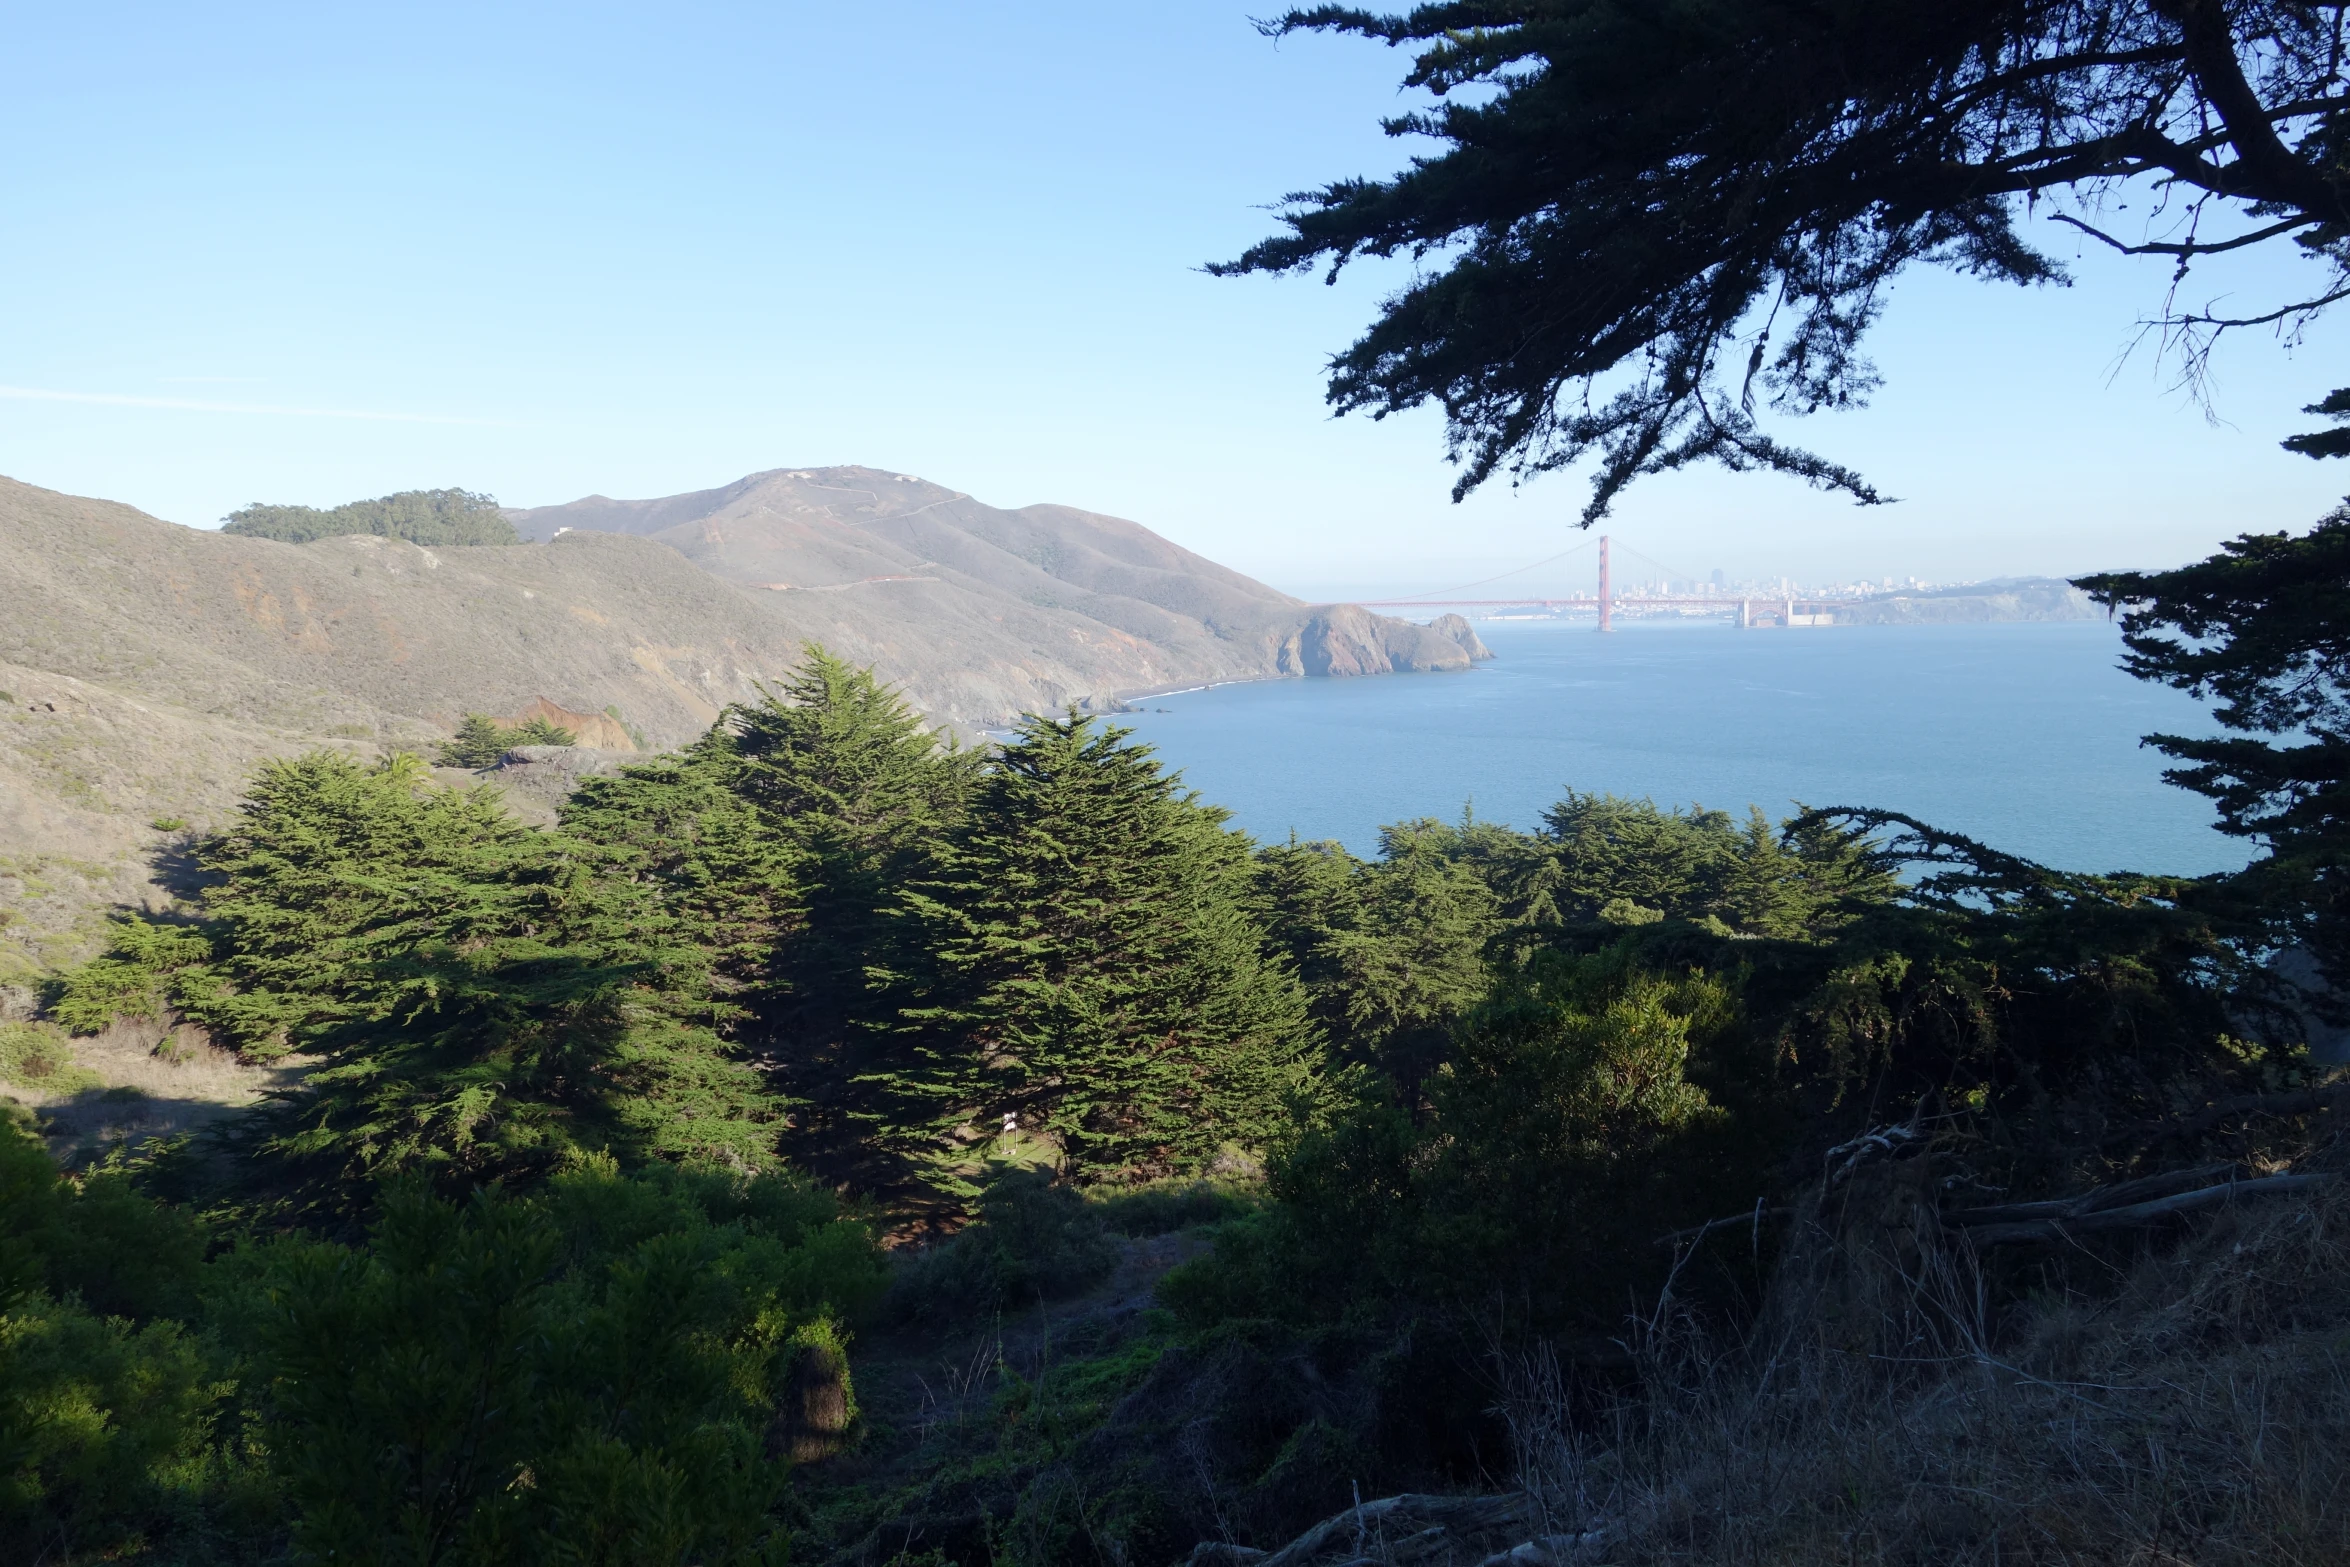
<point x="147" y="667"/>
<point x="1125" y="609"/>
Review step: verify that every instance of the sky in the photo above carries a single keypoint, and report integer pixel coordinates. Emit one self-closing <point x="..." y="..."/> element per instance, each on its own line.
<point x="314" y="253"/>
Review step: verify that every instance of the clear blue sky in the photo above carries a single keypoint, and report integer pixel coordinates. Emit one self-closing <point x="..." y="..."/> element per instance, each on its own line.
<point x="637" y="249"/>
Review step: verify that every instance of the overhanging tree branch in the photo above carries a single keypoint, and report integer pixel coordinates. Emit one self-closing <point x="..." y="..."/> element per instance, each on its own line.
<point x="1632" y="181"/>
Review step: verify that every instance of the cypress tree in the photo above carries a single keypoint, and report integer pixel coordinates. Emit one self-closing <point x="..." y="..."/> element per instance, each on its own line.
<point x="1390" y="953"/>
<point x="479" y="741"/>
<point x="724" y="871"/>
<point x="480" y="998"/>
<point x="1093" y="968"/>
<point x="862" y="794"/>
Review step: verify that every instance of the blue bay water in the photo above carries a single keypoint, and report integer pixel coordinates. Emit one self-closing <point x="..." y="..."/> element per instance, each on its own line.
<point x="2022" y="735"/>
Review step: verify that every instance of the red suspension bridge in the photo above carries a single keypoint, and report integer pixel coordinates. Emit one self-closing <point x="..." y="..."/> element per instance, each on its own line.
<point x="1752" y="609"/>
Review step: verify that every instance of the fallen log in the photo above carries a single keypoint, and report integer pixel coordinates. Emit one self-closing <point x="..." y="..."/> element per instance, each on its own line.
<point x="2120" y="1195"/>
<point x="2083" y="1220"/>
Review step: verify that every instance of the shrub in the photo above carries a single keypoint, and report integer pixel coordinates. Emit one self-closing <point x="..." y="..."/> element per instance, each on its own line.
<point x="593" y="1372"/>
<point x="481" y="740"/>
<point x="1034" y="1238"/>
<point x="33" y="1056"/>
<point x="131" y="978"/>
<point x="1164" y="1207"/>
<point x="101" y="1422"/>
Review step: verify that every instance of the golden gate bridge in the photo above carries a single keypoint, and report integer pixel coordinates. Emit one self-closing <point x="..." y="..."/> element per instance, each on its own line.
<point x="1752" y="609"/>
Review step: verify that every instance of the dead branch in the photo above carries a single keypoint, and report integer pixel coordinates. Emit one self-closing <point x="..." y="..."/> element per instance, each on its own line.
<point x="2084" y="1218"/>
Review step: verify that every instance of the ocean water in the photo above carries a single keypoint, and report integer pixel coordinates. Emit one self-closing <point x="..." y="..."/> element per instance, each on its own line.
<point x="2024" y="736"/>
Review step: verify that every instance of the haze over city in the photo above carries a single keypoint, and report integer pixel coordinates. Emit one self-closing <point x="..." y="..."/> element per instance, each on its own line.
<point x="299" y="256"/>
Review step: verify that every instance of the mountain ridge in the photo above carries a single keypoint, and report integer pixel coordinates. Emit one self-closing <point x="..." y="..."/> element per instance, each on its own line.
<point x="146" y="667"/>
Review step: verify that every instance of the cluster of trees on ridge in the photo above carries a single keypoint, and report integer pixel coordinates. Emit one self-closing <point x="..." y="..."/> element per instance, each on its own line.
<point x="418" y="516"/>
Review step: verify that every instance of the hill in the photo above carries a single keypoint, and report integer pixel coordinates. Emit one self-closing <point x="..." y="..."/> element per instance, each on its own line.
<point x="147" y="666"/>
<point x="1089" y="602"/>
<point x="2004" y="598"/>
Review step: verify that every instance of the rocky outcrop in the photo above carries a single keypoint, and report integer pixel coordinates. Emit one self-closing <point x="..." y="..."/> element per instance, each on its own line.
<point x="1339" y="640"/>
<point x="1460" y="631"/>
<point x="537" y="779"/>
<point x="598" y="731"/>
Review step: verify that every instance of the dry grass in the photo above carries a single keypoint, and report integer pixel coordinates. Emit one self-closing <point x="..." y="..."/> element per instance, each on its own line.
<point x="2193" y="1407"/>
<point x="136" y="1081"/>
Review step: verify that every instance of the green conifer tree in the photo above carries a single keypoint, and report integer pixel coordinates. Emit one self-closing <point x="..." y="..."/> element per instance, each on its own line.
<point x="861" y="794"/>
<point x="479" y="998"/>
<point x="724" y="871"/>
<point x="1094" y="968"/>
<point x="479" y="741"/>
<point x="1391" y="953"/>
<point x="540" y="731"/>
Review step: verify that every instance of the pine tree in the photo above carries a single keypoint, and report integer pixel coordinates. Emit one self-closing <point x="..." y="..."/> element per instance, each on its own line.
<point x="724" y="871"/>
<point x="846" y="776"/>
<point x="480" y="998"/>
<point x="479" y="741"/>
<point x="1390" y="953"/>
<point x="1094" y="969"/>
<point x="540" y="731"/>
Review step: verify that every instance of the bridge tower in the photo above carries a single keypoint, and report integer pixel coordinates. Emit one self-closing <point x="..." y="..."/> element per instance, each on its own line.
<point x="1605" y="596"/>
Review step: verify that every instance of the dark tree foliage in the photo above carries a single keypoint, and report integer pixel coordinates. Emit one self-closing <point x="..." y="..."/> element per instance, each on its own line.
<point x="1392" y="953"/>
<point x="2325" y="443"/>
<point x="480" y="741"/>
<point x="866" y="794"/>
<point x="589" y="1372"/>
<point x="2262" y="630"/>
<point x="1623" y="1078"/>
<point x="1606" y="859"/>
<point x="419" y="516"/>
<point x="724" y="870"/>
<point x="478" y="999"/>
<point x="780" y="843"/>
<point x="1642" y="217"/>
<point x="1090" y="965"/>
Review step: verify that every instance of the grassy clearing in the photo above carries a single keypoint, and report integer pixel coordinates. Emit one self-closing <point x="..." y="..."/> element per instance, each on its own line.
<point x="134" y="1082"/>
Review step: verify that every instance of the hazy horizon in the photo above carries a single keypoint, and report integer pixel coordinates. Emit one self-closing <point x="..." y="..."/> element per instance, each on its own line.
<point x="281" y="255"/>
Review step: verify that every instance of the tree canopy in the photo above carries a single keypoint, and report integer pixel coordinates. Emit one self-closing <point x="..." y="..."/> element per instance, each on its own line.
<point x="419" y="516"/>
<point x="1646" y="217"/>
<point x="514" y="1266"/>
<point x="481" y="740"/>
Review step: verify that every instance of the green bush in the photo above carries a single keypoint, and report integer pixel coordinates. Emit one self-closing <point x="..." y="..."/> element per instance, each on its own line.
<point x="591" y="1372"/>
<point x="1559" y="1140"/>
<point x="103" y="1423"/>
<point x="132" y="978"/>
<point x="481" y="740"/>
<point x="1033" y="1238"/>
<point x="586" y="1373"/>
<point x="1164" y="1207"/>
<point x="106" y="1405"/>
<point x="34" y="1056"/>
